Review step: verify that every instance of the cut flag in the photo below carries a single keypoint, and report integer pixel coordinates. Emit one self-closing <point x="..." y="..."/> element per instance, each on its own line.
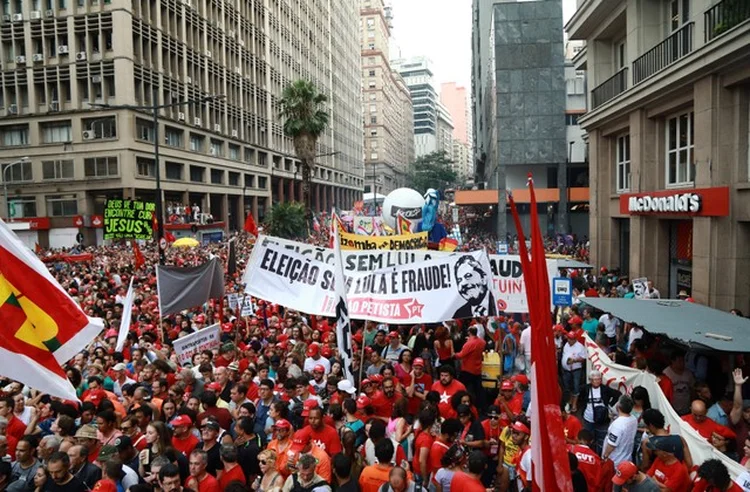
<point x="183" y="288"/>
<point x="127" y="313"/>
<point x="250" y="226"/>
<point x="138" y="256"/>
<point x="403" y="225"/>
<point x="42" y="326"/>
<point x="336" y="225"/>
<point x="343" y="322"/>
<point x="550" y="469"/>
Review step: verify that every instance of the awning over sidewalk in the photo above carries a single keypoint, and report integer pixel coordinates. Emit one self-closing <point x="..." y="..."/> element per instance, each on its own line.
<point x="521" y="195"/>
<point x="685" y="322"/>
<point x="565" y="263"/>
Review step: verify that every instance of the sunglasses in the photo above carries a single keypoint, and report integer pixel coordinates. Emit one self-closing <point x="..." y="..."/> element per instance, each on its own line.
<point x="262" y="462"/>
<point x="494" y="417"/>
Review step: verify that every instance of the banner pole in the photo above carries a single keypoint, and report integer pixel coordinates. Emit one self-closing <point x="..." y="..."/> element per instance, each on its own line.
<point x="362" y="356"/>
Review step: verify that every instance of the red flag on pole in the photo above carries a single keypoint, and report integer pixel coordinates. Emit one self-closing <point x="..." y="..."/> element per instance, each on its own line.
<point x="169" y="237"/>
<point x="250" y="226"/>
<point x="139" y="259"/>
<point x="550" y="469"/>
<point x="38" y="249"/>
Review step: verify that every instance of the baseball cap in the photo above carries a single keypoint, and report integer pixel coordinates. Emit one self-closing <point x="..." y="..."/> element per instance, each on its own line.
<point x="376" y="378"/>
<point x="86" y="431"/>
<point x="107" y="453"/>
<point x="572" y="334"/>
<point x="418" y="362"/>
<point x="365" y="381"/>
<point x="663" y="443"/>
<point x="312" y="350"/>
<point x="211" y="424"/>
<point x="309" y="405"/>
<point x="363" y="402"/>
<point x="463" y="410"/>
<point x="393" y="334"/>
<point x="233" y="366"/>
<point x="213" y="386"/>
<point x="625" y="471"/>
<point x="520" y="427"/>
<point x="347" y="386"/>
<point x="300" y="439"/>
<point x="123" y="442"/>
<point x="506" y="386"/>
<point x="182" y="420"/>
<point x="326" y="351"/>
<point x="575" y="320"/>
<point x="119" y="367"/>
<point x="319" y="368"/>
<point x="282" y="424"/>
<point x="520" y="378"/>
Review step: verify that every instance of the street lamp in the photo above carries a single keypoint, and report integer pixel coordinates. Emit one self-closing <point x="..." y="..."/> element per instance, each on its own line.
<point x="5" y="185"/>
<point x="154" y="108"/>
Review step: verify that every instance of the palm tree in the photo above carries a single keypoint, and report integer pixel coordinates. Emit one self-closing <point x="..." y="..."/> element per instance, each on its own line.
<point x="305" y="120"/>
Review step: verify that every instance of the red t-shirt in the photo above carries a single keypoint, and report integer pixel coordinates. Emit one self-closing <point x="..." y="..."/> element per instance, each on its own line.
<point x="326" y="439"/>
<point x="466" y="483"/>
<point x="571" y="427"/>
<point x="708" y="427"/>
<point x="252" y="392"/>
<point x="423" y="384"/>
<point x="674" y="476"/>
<point x="380" y="404"/>
<point x="235" y="474"/>
<point x="16" y="427"/>
<point x="222" y="415"/>
<point x="446" y="392"/>
<point x="666" y="386"/>
<point x="207" y="484"/>
<point x="516" y="403"/>
<point x="423" y="440"/>
<point x="437" y="451"/>
<point x="589" y="463"/>
<point x="490" y="433"/>
<point x="185" y="446"/>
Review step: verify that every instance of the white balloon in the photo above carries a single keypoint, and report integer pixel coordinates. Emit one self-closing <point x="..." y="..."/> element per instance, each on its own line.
<point x="406" y="200"/>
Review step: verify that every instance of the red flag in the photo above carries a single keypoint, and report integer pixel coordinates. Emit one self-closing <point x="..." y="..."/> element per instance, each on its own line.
<point x="250" y="226"/>
<point x="169" y="237"/>
<point x="550" y="469"/>
<point x="37" y="248"/>
<point x="139" y="259"/>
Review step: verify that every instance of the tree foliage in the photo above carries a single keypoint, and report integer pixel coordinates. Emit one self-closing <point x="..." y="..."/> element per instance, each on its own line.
<point x="432" y="171"/>
<point x="287" y="220"/>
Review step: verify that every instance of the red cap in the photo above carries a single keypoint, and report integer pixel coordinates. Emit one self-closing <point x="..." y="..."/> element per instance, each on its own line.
<point x="309" y="405"/>
<point x="182" y="420"/>
<point x="319" y="368"/>
<point x="393" y="334"/>
<point x="368" y="350"/>
<point x="625" y="471"/>
<point x="575" y="320"/>
<point x="558" y="328"/>
<point x="418" y="362"/>
<point x="282" y="424"/>
<point x="572" y="334"/>
<point x="365" y="381"/>
<point x="200" y="318"/>
<point x="506" y="386"/>
<point x="300" y="439"/>
<point x="376" y="378"/>
<point x="282" y="338"/>
<point x="326" y="351"/>
<point x="357" y="337"/>
<point x="214" y="386"/>
<point x="313" y="350"/>
<point x="520" y="378"/>
<point x="96" y="396"/>
<point x="363" y="401"/>
<point x="520" y="427"/>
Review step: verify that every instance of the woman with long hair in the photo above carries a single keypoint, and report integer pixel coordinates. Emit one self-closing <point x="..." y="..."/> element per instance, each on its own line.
<point x="269" y="478"/>
<point x="443" y="345"/>
<point x="40" y="479"/>
<point x="348" y="443"/>
<point x="168" y="410"/>
<point x="158" y="439"/>
<point x="403" y="367"/>
<point x="451" y="462"/>
<point x="398" y="428"/>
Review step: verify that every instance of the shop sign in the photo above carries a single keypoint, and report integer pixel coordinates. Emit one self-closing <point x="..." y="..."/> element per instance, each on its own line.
<point x="707" y="202"/>
<point x="36" y="223"/>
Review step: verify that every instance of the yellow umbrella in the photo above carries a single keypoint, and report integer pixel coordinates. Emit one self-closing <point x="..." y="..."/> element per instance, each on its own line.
<point x="185" y="242"/>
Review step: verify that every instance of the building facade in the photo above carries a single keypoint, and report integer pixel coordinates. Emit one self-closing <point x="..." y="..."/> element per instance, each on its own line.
<point x="387" y="108"/>
<point x="455" y="99"/>
<point x="64" y="62"/>
<point x="418" y="77"/>
<point x="444" y="141"/>
<point x="667" y="124"/>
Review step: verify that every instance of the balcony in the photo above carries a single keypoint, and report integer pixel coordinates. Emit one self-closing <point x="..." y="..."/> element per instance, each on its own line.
<point x="676" y="46"/>
<point x="610" y="88"/>
<point x="724" y="16"/>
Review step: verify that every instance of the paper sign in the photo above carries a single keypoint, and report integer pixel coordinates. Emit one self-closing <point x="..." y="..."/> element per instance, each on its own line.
<point x="187" y="346"/>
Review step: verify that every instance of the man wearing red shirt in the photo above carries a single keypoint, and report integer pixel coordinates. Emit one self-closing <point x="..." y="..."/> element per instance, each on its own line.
<point x="16" y="428"/>
<point x="199" y="479"/>
<point x="417" y="384"/>
<point x="588" y="461"/>
<point x="323" y="436"/>
<point x="571" y="427"/>
<point x="472" y="481"/>
<point x="232" y="470"/>
<point x="449" y="431"/>
<point x="183" y="439"/>
<point x="222" y="415"/>
<point x="713" y="476"/>
<point x="471" y="357"/>
<point x="446" y="386"/>
<point x="705" y="426"/>
<point x="667" y="470"/>
<point x="505" y="403"/>
<point x="422" y="446"/>
<point x="492" y="430"/>
<point x="380" y="405"/>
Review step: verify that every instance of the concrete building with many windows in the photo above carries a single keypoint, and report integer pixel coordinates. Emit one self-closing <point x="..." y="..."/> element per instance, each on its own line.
<point x="387" y="107"/>
<point x="62" y="59"/>
<point x="418" y="77"/>
<point x="667" y="124"/>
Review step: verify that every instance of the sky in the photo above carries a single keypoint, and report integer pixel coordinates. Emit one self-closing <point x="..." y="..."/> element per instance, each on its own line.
<point x="441" y="31"/>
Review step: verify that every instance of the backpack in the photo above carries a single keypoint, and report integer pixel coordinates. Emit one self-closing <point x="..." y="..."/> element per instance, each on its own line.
<point x="297" y="487"/>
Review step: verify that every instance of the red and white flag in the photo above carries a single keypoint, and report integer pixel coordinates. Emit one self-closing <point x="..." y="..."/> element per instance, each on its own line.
<point x="335" y="223"/>
<point x="42" y="327"/>
<point x="127" y="314"/>
<point x="550" y="469"/>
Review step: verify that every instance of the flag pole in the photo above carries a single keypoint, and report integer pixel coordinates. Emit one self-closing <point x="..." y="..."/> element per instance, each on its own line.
<point x="362" y="356"/>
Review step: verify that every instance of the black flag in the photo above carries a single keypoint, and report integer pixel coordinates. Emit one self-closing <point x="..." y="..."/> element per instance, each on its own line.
<point x="232" y="259"/>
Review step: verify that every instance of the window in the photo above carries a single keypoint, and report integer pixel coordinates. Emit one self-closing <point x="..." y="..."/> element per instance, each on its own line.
<point x="102" y="127"/>
<point x="217" y="176"/>
<point x="197" y="174"/>
<point x="23" y="206"/>
<point x="174" y="170"/>
<point x="680" y="164"/>
<point x="196" y="142"/>
<point x="374" y="132"/>
<point x="371" y="84"/>
<point x="15" y="135"/>
<point x="679" y="14"/>
<point x="371" y="73"/>
<point x="234" y="152"/>
<point x="373" y="120"/>
<point x="571" y="119"/>
<point x="370" y="23"/>
<point x="145" y="167"/>
<point x="249" y="181"/>
<point x="100" y="167"/>
<point x="57" y="169"/>
<point x="373" y="108"/>
<point x="621" y="54"/>
<point x="373" y="155"/>
<point x="56" y="132"/>
<point x="623" y="163"/>
<point x="262" y="182"/>
<point x="62" y="205"/>
<point x="172" y="137"/>
<point x="217" y="148"/>
<point x="144" y="130"/>
<point x="234" y="179"/>
<point x="20" y="171"/>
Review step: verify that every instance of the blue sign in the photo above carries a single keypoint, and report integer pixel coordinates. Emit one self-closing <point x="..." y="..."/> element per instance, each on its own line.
<point x="502" y="248"/>
<point x="562" y="291"/>
<point x="212" y="237"/>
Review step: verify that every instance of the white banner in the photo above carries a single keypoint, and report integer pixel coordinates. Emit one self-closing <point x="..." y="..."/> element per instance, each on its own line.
<point x="508" y="289"/>
<point x="127" y="313"/>
<point x="624" y="379"/>
<point x="233" y="301"/>
<point x="187" y="346"/>
<point x="343" y="322"/>
<point x="367" y="225"/>
<point x="450" y="286"/>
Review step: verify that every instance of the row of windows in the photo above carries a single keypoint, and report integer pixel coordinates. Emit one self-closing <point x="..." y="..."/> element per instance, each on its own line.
<point x="145" y="167"/>
<point x="57" y="206"/>
<point x="63" y="169"/>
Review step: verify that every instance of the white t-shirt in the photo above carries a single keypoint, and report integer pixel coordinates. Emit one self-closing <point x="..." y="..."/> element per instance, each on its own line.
<point x="610" y="325"/>
<point x="596" y="400"/>
<point x="575" y="351"/>
<point x="525" y="467"/>
<point x="634" y="334"/>
<point x="621" y="436"/>
<point x="526" y="342"/>
<point x="683" y="384"/>
<point x="310" y="364"/>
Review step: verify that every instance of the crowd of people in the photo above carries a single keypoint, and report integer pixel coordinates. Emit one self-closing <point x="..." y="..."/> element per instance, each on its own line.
<point x="271" y="408"/>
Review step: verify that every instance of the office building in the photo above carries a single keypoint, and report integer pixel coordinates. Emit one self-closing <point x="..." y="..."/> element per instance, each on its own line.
<point x="667" y="126"/>
<point x="388" y="118"/>
<point x="456" y="101"/>
<point x="228" y="156"/>
<point x="418" y="77"/>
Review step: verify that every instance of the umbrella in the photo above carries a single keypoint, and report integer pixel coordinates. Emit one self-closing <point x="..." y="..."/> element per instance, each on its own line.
<point x="185" y="242"/>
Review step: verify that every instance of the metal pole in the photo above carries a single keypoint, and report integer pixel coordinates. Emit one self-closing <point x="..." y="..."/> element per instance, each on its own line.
<point x="5" y="191"/>
<point x="374" y="193"/>
<point x="159" y="211"/>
